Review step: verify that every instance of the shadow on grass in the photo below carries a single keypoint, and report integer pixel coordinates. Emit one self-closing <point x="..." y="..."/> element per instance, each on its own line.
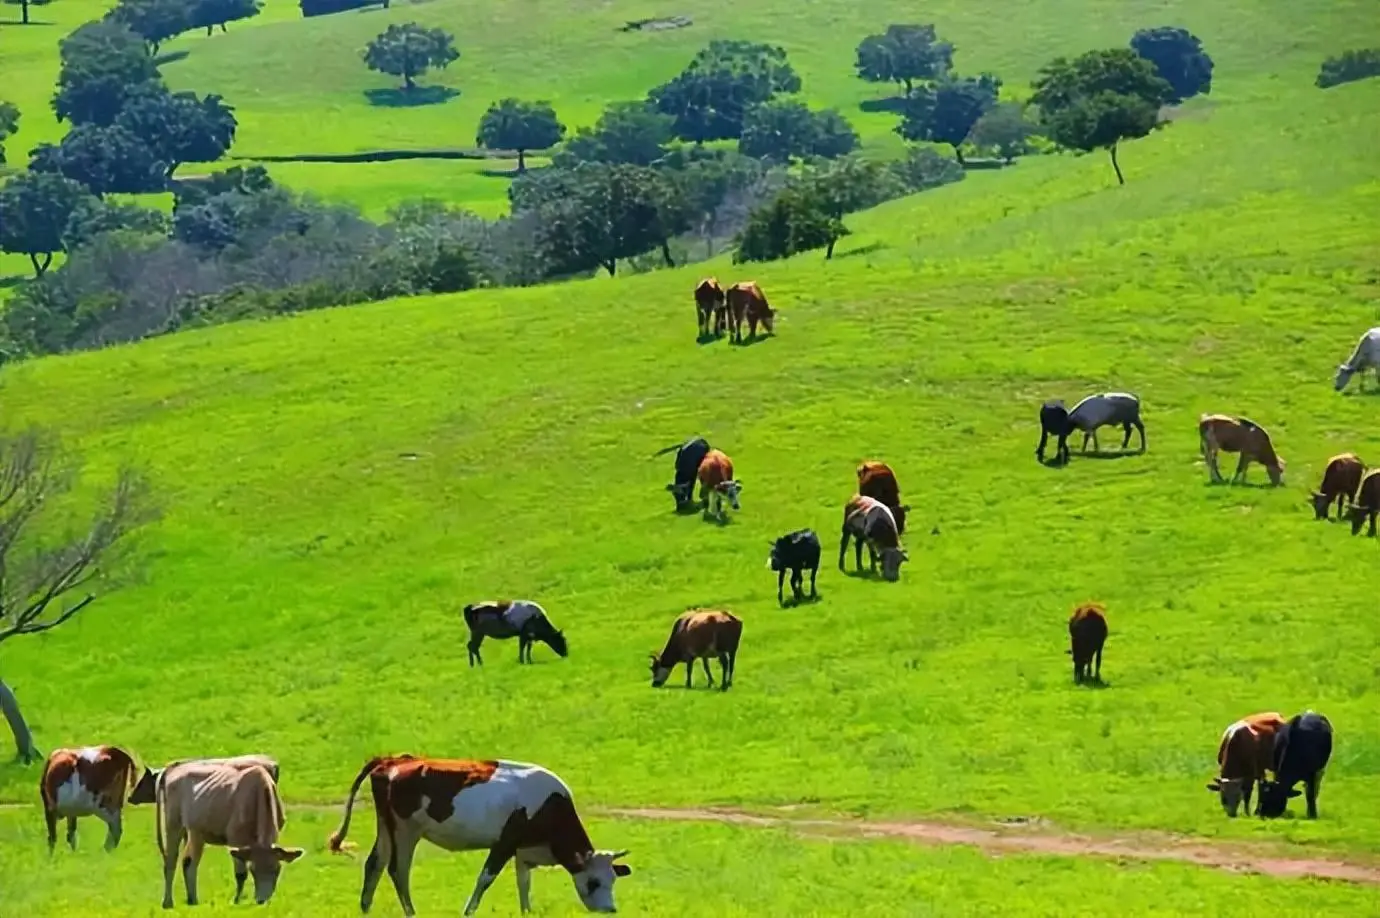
<point x="509" y="174"/>
<point x="751" y="340"/>
<point x="790" y="602"/>
<point x="1119" y="454"/>
<point x="861" y="250"/>
<point x="14" y="280"/>
<point x="1053" y="463"/>
<point x="720" y="521"/>
<point x="893" y="105"/>
<point x="172" y="57"/>
<point x="1097" y="684"/>
<point x="24" y="25"/>
<point x="1258" y="485"/>
<point x="708" y="337"/>
<point x="397" y="97"/>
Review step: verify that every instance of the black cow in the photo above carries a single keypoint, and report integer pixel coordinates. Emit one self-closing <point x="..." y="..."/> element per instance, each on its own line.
<point x="1054" y="419"/>
<point x="1302" y="748"/>
<point x="795" y="552"/>
<point x="689" y="455"/>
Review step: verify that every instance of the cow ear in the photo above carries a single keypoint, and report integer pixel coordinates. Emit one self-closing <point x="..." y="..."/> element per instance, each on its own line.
<point x="1294" y="793"/>
<point x="288" y="855"/>
<point x="240" y="854"/>
<point x="1214" y="786"/>
<point x="621" y="870"/>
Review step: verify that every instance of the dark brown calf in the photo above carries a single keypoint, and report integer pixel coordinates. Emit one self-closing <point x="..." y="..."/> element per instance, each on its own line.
<point x="709" y="301"/>
<point x="1341" y="478"/>
<point x="877" y="480"/>
<point x="747" y="302"/>
<point x="1367" y="504"/>
<point x="1087" y="634"/>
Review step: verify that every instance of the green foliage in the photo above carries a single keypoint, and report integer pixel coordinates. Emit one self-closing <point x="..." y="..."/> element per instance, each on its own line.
<point x="9" y="123"/>
<point x="1349" y="67"/>
<point x="35" y="208"/>
<point x="922" y="168"/>
<point x="107" y="160"/>
<point x="512" y="124"/>
<point x="633" y="133"/>
<point x="1179" y="59"/>
<point x="326" y="7"/>
<point x="102" y="64"/>
<point x="780" y="129"/>
<point x="904" y="54"/>
<point x="1005" y="128"/>
<point x="207" y="14"/>
<point x="155" y="21"/>
<point x="96" y="217"/>
<point x="809" y="213"/>
<point x="408" y="50"/>
<point x="710" y="98"/>
<point x="947" y="112"/>
<point x="179" y="127"/>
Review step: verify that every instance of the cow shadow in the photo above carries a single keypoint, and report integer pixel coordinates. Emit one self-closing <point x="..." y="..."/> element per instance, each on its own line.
<point x="720" y="521"/>
<point x="708" y="337"/>
<point x="1053" y="463"/>
<point x="1094" y="684"/>
<point x="790" y="602"/>
<point x="396" y="97"/>
<point x="1108" y="454"/>
<point x="750" y="340"/>
<point x="1259" y="485"/>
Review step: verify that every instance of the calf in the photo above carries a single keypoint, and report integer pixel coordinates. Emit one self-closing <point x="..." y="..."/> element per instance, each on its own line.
<point x="717" y="484"/>
<point x="517" y="811"/>
<point x="1054" y="421"/>
<point x="210" y="804"/>
<point x="698" y="635"/>
<point x="1341" y="478"/>
<point x="1107" y="409"/>
<point x="1367" y="504"/>
<point x="90" y="781"/>
<point x="1243" y="755"/>
<point x="876" y="479"/>
<point x="866" y="519"/>
<point x="1302" y="749"/>
<point x="1366" y="356"/>
<point x="689" y="455"/>
<point x="746" y="301"/>
<point x="1223" y="433"/>
<point x="509" y="618"/>
<point x="795" y="552"/>
<point x="1087" y="634"/>
<point x="709" y="302"/>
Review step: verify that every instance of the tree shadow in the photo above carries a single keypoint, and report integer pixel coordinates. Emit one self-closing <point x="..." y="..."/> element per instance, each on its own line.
<point x="13" y="280"/>
<point x="24" y="25"/>
<point x="172" y="57"/>
<point x="861" y="250"/>
<point x="502" y="173"/>
<point x="892" y="105"/>
<point x="397" y="97"/>
<point x="1228" y="483"/>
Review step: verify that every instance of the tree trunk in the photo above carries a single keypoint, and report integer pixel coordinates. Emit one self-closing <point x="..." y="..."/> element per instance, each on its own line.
<point x="666" y="253"/>
<point x="958" y="154"/>
<point x="23" y="739"/>
<point x="24" y="5"/>
<point x="223" y="30"/>
<point x="610" y="266"/>
<point x="829" y="252"/>
<point x="1117" y="166"/>
<point x="407" y="81"/>
<point x="40" y="265"/>
<point x="908" y="86"/>
<point x="208" y="30"/>
<point x="522" y="161"/>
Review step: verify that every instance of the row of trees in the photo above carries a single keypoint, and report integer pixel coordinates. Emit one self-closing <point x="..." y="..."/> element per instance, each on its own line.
<point x="157" y="21"/>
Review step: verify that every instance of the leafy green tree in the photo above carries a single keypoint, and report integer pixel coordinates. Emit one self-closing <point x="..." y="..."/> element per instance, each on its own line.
<point x="512" y="124"/>
<point x="35" y="208"/>
<point x="207" y="14"/>
<point x="710" y="98"/>
<point x="923" y="168"/>
<point x="409" y="50"/>
<point x="9" y="123"/>
<point x="794" y="221"/>
<point x="107" y="160"/>
<point x="780" y="129"/>
<point x="617" y="211"/>
<point x="155" y="21"/>
<point x="633" y="133"/>
<point x="179" y="127"/>
<point x="1005" y="128"/>
<point x="1179" y="59"/>
<point x="904" y="54"/>
<point x="96" y="217"/>
<point x="947" y="113"/>
<point x="103" y="64"/>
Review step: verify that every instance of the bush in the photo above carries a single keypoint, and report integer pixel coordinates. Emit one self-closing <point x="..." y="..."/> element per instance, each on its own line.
<point x="1349" y="67"/>
<point x="924" y="168"/>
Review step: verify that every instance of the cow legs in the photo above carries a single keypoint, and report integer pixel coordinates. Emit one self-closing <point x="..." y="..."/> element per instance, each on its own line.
<point x="190" y="861"/>
<point x="752" y="326"/>
<point x="379" y="855"/>
<point x="707" y="674"/>
<point x="797" y="583"/>
<point x="524" y="648"/>
<point x="843" y="548"/>
<point x="1061" y="452"/>
<point x="689" y="671"/>
<point x="400" y="867"/>
<point x="72" y="832"/>
<point x="524" y="884"/>
<point x="725" y="672"/>
<point x="1040" y="450"/>
<point x="170" y="852"/>
<point x="1246" y="786"/>
<point x="1311" y="786"/>
<point x="1241" y="468"/>
<point x="813" y="572"/>
<point x="781" y="579"/>
<point x="857" y="553"/>
<point x="113" y="827"/>
<point x="51" y="819"/>
<point x="474" y="649"/>
<point x="241" y="875"/>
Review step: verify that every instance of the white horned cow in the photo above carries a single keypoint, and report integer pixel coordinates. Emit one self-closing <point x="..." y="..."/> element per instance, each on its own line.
<point x="1366" y="356"/>
<point x="517" y="811"/>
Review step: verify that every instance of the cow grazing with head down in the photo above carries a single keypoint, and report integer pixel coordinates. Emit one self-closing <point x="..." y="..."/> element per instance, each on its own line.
<point x="699" y="634"/>
<point x="517" y="811"/>
<point x="1107" y="409"/>
<point x="689" y="455"/>
<point x="1054" y="421"/>
<point x="747" y="302"/>
<point x="1341" y="479"/>
<point x="90" y="781"/>
<point x="512" y="618"/>
<point x="868" y="520"/>
<point x="709" y="303"/>
<point x="1367" y="506"/>
<point x="1302" y="749"/>
<point x="795" y="552"/>
<point x="717" y="484"/>
<point x="1366" y="356"/>
<point x="1243" y="756"/>
<point x="1223" y="433"/>
<point x="1087" y="634"/>
<point x="876" y="479"/>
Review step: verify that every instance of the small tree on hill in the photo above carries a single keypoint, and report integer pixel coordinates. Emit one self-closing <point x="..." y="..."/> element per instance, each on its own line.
<point x="904" y="54"/>
<point x="615" y="212"/>
<point x="784" y="128"/>
<point x="512" y="124"/>
<point x="1179" y="59"/>
<point x="207" y="14"/>
<point x="155" y="21"/>
<point x="24" y="7"/>
<point x="709" y="99"/>
<point x="634" y="133"/>
<point x="409" y="50"/>
<point x="947" y="113"/>
<point x="178" y="127"/>
<point x="9" y="123"/>
<point x="35" y="208"/>
<point x="103" y="63"/>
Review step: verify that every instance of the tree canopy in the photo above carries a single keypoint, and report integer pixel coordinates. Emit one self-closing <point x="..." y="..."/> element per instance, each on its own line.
<point x="179" y="127"/>
<point x="9" y="123"/>
<point x="35" y="208"/>
<point x="512" y="124"/>
<point x="207" y="14"/>
<point x="947" y="112"/>
<point x="627" y="132"/>
<point x="710" y="98"/>
<point x="408" y="50"/>
<point x="154" y="20"/>
<point x="102" y="64"/>
<point x="904" y="54"/>
<point x="1179" y="59"/>
<point x="1005" y="128"/>
<point x="781" y="129"/>
<point x="107" y="160"/>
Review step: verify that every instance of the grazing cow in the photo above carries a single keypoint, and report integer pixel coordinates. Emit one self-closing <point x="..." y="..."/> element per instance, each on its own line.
<point x="1107" y="409"/>
<point x="1365" y="357"/>
<point x="1302" y="749"/>
<point x="1243" y="756"/>
<point x="746" y="301"/>
<point x="794" y="552"/>
<point x="1367" y="504"/>
<point x="709" y="302"/>
<point x="698" y="635"/>
<point x="1223" y="433"/>
<point x="1054" y="420"/>
<point x="221" y="805"/>
<point x="866" y="519"/>
<point x="689" y="455"/>
<point x="145" y="790"/>
<point x="717" y="484"/>
<point x="876" y="479"/>
<point x="517" y="811"/>
<point x="90" y="781"/>
<point x="1087" y="634"/>
<point x="1341" y="478"/>
<point x="508" y="618"/>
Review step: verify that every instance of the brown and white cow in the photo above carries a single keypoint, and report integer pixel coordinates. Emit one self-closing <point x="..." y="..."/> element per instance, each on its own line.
<point x="698" y="635"/>
<point x="515" y="810"/>
<point x="220" y="804"/>
<point x="876" y="479"/>
<point x="717" y="484"/>
<point x="90" y="781"/>
<point x="1224" y="433"/>
<point x="1341" y="478"/>
<point x="866" y="519"/>
<point x="1367" y="504"/>
<point x="709" y="302"/>
<point x="1243" y="756"/>
<point x="747" y="302"/>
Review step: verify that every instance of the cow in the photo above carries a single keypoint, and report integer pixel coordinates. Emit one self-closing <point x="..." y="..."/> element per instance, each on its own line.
<point x="1302" y="749"/>
<point x="1054" y="421"/>
<point x="866" y="519"/>
<point x="90" y="781"/>
<point x="219" y="804"/>
<point x="144" y="791"/>
<point x="1087" y="634"/>
<point x="1366" y="356"/>
<point x="717" y="484"/>
<point x="747" y="302"/>
<point x="876" y="479"/>
<point x="517" y="811"/>
<point x="508" y="618"/>
<point x="1367" y="504"/>
<point x="709" y="303"/>
<point x="699" y="634"/>
<point x="1107" y="409"/>
<point x="1243" y="756"/>
<point x="1224" y="433"/>
<point x="1341" y="478"/>
<point x="689" y="455"/>
<point x="795" y="552"/>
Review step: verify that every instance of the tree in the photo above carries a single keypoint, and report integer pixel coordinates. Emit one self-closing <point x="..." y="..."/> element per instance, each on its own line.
<point x="904" y="54"/>
<point x="792" y="222"/>
<point x="95" y="217"/>
<point x="843" y="186"/>
<point x="42" y="567"/>
<point x="108" y="160"/>
<point x="615" y="212"/>
<point x="178" y="127"/>
<point x="409" y="50"/>
<point x="1348" y="67"/>
<point x="103" y="63"/>
<point x="511" y="124"/>
<point x="207" y="14"/>
<point x="947" y="113"/>
<point x="154" y="20"/>
<point x="24" y="7"/>
<point x="780" y="129"/>
<point x="9" y="123"/>
<point x="1179" y="59"/>
<point x="1006" y="128"/>
<point x="627" y="132"/>
<point x="709" y="99"/>
<point x="35" y="208"/>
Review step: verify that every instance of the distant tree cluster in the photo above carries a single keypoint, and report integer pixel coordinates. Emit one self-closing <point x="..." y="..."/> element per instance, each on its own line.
<point x="1349" y="67"/>
<point x="9" y="123"/>
<point x="157" y="21"/>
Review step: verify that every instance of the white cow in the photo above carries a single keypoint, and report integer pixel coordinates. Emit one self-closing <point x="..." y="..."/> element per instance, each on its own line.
<point x="1107" y="409"/>
<point x="1365" y="357"/>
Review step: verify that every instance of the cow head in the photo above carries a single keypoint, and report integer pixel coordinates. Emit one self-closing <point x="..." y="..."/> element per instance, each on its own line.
<point x="1320" y="504"/>
<point x="768" y="319"/>
<point x="1274" y="798"/>
<point x="265" y="863"/>
<point x="660" y="673"/>
<point x="1343" y="377"/>
<point x="1229" y="791"/>
<point x="681" y="492"/>
<point x="1276" y="472"/>
<point x="1358" y="516"/>
<point x="594" y="879"/>
<point x="144" y="788"/>
<point x="892" y="559"/>
<point x="730" y="490"/>
<point x="776" y="560"/>
<point x="556" y="641"/>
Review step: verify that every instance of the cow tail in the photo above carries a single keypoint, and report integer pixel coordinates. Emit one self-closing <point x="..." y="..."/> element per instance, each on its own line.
<point x="337" y="838"/>
<point x="159" y="792"/>
<point x="661" y="452"/>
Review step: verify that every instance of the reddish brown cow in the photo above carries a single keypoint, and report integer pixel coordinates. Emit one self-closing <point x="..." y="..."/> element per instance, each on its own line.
<point x="1087" y="634"/>
<point x="91" y="781"/>
<point x="1341" y="478"/>
<point x="1367" y="503"/>
<point x="876" y="479"/>
<point x="746" y="301"/>
<point x="709" y="301"/>
<point x="1223" y="433"/>
<point x="1243" y="756"/>
<point x="699" y="634"/>
<point x="717" y="484"/>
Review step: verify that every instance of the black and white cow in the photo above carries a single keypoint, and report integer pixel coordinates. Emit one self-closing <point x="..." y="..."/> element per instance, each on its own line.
<point x="1107" y="409"/>
<point x="1302" y="749"/>
<point x="1054" y="421"/>
<point x="689" y="455"/>
<point x="795" y="552"/>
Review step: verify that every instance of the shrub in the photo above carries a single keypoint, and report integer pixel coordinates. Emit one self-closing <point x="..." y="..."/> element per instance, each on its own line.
<point x="1349" y="67"/>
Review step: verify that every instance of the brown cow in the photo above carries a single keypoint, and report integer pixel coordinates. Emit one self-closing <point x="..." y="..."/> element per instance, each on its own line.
<point x="1367" y="503"/>
<point x="698" y="635"/>
<point x="1341" y="478"/>
<point x="90" y="781"/>
<point x="1238" y="435"/>
<point x="866" y="519"/>
<point x="746" y="301"/>
<point x="1087" y="634"/>
<point x="709" y="301"/>
<point x="144" y="791"/>
<point x="1245" y="753"/>
<point x="876" y="479"/>
<point x="717" y="484"/>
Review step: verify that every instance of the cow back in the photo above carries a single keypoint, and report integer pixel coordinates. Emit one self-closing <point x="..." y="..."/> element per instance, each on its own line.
<point x="1302" y="747"/>
<point x="715" y="469"/>
<point x="1368" y="494"/>
<point x="688" y="459"/>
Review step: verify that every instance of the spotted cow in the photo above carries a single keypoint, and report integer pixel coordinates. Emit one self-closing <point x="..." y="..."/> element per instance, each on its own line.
<point x="1243" y="756"/>
<point x="717" y="484"/>
<point x="90" y="781"/>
